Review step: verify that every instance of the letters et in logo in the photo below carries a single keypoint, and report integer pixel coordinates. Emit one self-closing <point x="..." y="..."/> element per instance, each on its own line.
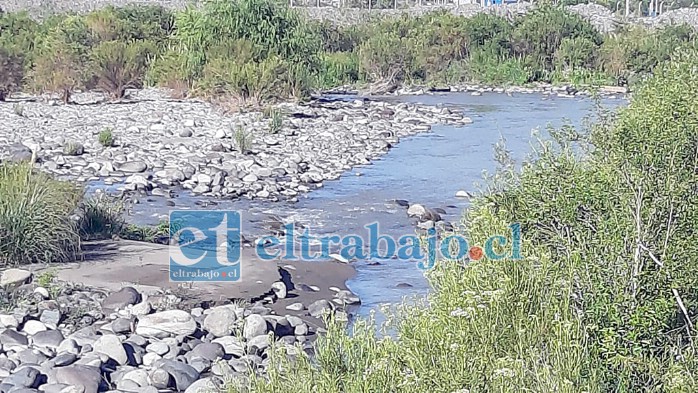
<point x="205" y="245"/>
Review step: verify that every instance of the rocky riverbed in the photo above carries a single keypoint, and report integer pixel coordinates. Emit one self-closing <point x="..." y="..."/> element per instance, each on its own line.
<point x="63" y="337"/>
<point x="162" y="143"/>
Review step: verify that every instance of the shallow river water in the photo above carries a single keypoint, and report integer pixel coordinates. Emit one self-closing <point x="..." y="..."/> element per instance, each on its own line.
<point x="428" y="169"/>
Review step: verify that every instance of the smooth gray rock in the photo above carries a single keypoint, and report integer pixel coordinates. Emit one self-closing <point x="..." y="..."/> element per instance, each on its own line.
<point x="166" y="323"/>
<point x="14" y="277"/>
<point x="208" y="351"/>
<point x="204" y="385"/>
<point x="121" y="325"/>
<point x="48" y="339"/>
<point x="111" y="346"/>
<point x="83" y="377"/>
<point x="120" y="299"/>
<point x="220" y="321"/>
<point x="133" y="167"/>
<point x="183" y="374"/>
<point x="25" y="377"/>
<point x="10" y="338"/>
<point x="319" y="308"/>
<point x="159" y="378"/>
<point x="255" y="325"/>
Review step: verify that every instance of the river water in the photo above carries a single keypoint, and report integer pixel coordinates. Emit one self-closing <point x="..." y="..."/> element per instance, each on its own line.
<point x="428" y="169"/>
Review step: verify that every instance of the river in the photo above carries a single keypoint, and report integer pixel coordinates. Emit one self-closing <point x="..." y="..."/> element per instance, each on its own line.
<point x="428" y="169"/>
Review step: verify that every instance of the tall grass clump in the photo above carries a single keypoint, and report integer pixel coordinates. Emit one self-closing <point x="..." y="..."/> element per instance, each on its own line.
<point x="35" y="217"/>
<point x="101" y="217"/>
<point x="604" y="298"/>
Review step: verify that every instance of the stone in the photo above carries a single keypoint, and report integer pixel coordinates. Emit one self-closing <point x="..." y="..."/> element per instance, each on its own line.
<point x="279" y="289"/>
<point x="8" y="321"/>
<point x="159" y="378"/>
<point x="204" y="385"/>
<point x="416" y="210"/>
<point x="120" y="299"/>
<point x="208" y="351"/>
<point x="64" y="359"/>
<point x="462" y="194"/>
<point x="140" y="309"/>
<point x="150" y="358"/>
<point x="183" y="374"/>
<point x="255" y="325"/>
<point x="295" y="307"/>
<point x="32" y="327"/>
<point x="11" y="338"/>
<point x="110" y="345"/>
<point x="319" y="308"/>
<point x="133" y="167"/>
<point x="186" y="133"/>
<point x="166" y="323"/>
<point x="15" y="277"/>
<point x="26" y="377"/>
<point x="258" y="344"/>
<point x="231" y="345"/>
<point x="220" y="321"/>
<point x="139" y="376"/>
<point x="50" y="318"/>
<point x="48" y="339"/>
<point x="43" y="292"/>
<point x="86" y="378"/>
<point x="121" y="325"/>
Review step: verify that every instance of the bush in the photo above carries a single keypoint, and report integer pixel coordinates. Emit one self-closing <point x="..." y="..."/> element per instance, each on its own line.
<point x="106" y="137"/>
<point x="101" y="217"/>
<point x="276" y="121"/>
<point x="576" y="53"/>
<point x="118" y="66"/>
<point x="387" y="57"/>
<point x="35" y="217"/>
<point x="538" y="36"/>
<point x="243" y="140"/>
<point x="339" y="68"/>
<point x="251" y="83"/>
<point x="61" y="55"/>
<point x="11" y="72"/>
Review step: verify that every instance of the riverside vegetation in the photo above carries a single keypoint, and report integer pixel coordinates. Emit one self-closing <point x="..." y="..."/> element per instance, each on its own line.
<point x="252" y="51"/>
<point x="605" y="299"/>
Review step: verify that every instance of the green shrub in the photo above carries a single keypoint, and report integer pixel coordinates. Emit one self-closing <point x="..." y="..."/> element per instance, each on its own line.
<point x="35" y="217"/>
<point x="251" y="83"/>
<point x="387" y="57"/>
<point x="152" y="23"/>
<point x="538" y="36"/>
<point x="485" y="66"/>
<point x="339" y="68"/>
<point x="101" y="217"/>
<point x="61" y="57"/>
<point x="174" y="68"/>
<point x="11" y="72"/>
<point x="485" y="29"/>
<point x="118" y="66"/>
<point x="243" y="140"/>
<point x="576" y="53"/>
<point x="17" y="33"/>
<point x="276" y="121"/>
<point x="106" y="137"/>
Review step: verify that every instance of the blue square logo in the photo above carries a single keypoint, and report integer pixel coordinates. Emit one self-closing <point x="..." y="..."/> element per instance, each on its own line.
<point x="205" y="245"/>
